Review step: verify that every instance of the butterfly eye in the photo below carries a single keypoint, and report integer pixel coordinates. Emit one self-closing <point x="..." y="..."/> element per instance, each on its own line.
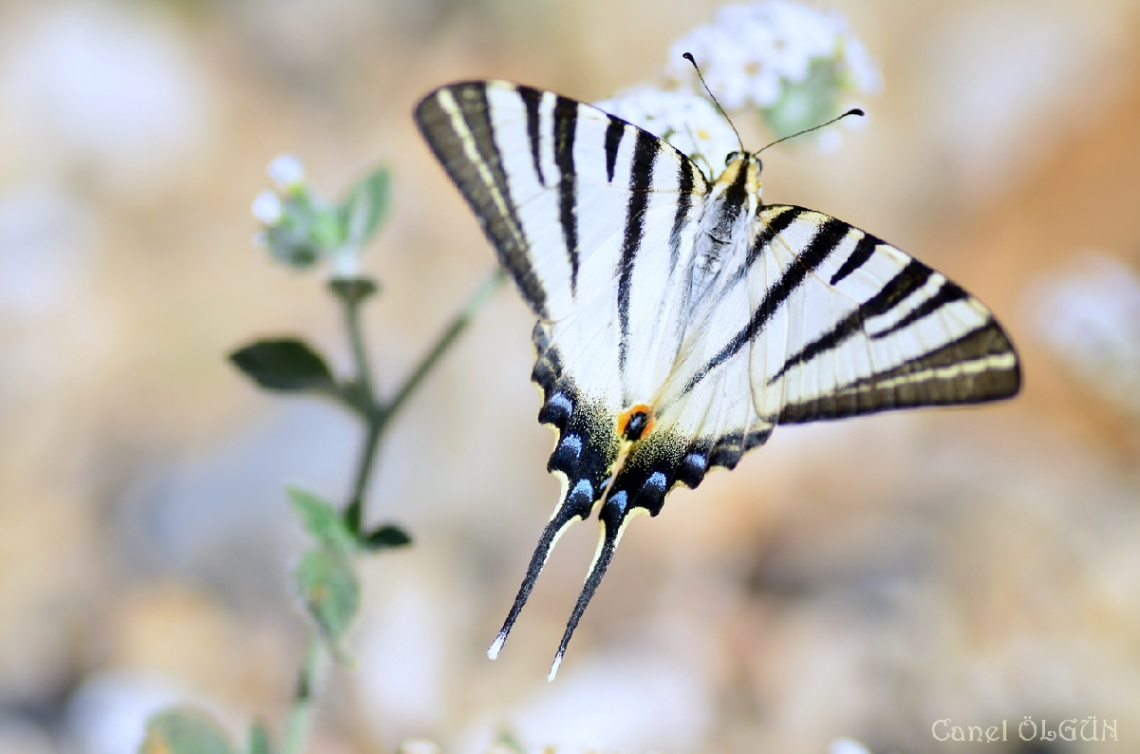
<point x="759" y="165"/>
<point x="731" y="157"/>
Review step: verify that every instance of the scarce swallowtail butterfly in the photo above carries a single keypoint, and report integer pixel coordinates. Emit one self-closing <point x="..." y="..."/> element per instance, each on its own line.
<point x="680" y="319"/>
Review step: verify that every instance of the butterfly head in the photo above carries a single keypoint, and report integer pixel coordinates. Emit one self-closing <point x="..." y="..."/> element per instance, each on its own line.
<point x="742" y="169"/>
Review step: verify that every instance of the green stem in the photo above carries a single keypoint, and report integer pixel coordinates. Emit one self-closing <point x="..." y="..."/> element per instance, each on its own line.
<point x="381" y="415"/>
<point x="350" y="303"/>
<point x="377" y="418"/>
<point x="351" y="295"/>
<point x="301" y="710"/>
<point x="459" y="323"/>
<point x="366" y="462"/>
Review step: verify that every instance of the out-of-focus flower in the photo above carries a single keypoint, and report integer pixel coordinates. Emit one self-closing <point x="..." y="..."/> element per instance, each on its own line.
<point x="1089" y="316"/>
<point x="794" y="64"/>
<point x="847" y="746"/>
<point x="301" y="230"/>
<point x="287" y="172"/>
<point x="687" y="121"/>
<point x="296" y="227"/>
<point x="751" y="53"/>
<point x="267" y="208"/>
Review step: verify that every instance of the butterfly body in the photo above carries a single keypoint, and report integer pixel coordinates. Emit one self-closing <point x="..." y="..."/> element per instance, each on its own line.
<point x="680" y="319"/>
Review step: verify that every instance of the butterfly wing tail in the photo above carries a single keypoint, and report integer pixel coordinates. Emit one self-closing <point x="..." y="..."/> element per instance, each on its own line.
<point x="575" y="507"/>
<point x="615" y="517"/>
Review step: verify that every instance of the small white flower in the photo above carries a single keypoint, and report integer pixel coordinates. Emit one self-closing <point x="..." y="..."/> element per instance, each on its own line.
<point x="267" y="208"/>
<point x="686" y="120"/>
<point x="286" y="171"/>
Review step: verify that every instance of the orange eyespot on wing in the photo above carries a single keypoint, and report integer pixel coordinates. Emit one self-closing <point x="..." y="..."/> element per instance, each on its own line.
<point x="636" y="421"/>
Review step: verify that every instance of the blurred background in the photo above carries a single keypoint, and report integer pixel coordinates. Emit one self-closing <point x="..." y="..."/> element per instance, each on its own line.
<point x="865" y="578"/>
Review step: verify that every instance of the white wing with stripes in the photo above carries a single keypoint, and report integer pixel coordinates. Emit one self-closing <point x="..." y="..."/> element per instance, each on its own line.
<point x="680" y="320"/>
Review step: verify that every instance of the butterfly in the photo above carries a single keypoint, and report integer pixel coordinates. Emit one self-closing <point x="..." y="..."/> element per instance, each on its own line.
<point x="680" y="318"/>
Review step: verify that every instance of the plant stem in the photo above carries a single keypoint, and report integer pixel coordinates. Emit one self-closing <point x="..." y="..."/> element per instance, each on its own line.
<point x="380" y="415"/>
<point x="351" y="296"/>
<point x="458" y="324"/>
<point x="301" y="710"/>
<point x="376" y="417"/>
<point x="373" y="429"/>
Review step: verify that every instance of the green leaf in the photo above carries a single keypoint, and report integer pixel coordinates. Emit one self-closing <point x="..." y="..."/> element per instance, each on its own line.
<point x="182" y="730"/>
<point x="365" y="207"/>
<point x="284" y="364"/>
<point x="321" y="520"/>
<point x="259" y="741"/>
<point x="385" y="537"/>
<point x="330" y="590"/>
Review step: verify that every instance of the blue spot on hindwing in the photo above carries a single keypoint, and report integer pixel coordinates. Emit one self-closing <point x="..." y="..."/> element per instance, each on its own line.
<point x="566" y="456"/>
<point x="657" y="481"/>
<point x="617" y="503"/>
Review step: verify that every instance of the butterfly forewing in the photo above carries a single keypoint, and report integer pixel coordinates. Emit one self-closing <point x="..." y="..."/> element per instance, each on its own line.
<point x="689" y="306"/>
<point x="873" y="329"/>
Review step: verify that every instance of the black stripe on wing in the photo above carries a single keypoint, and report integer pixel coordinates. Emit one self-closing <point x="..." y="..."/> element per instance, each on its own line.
<point x="947" y="293"/>
<point x="645" y="151"/>
<point x="532" y="99"/>
<point x="910" y="279"/>
<point x="857" y="258"/>
<point x="977" y="367"/>
<point x="771" y="230"/>
<point x="453" y="136"/>
<point x="827" y="236"/>
<point x="565" y="128"/>
<point x="686" y="182"/>
<point x="614" y="133"/>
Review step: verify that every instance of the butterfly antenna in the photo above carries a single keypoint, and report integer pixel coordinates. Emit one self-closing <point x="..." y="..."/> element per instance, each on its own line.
<point x="852" y="111"/>
<point x="689" y="57"/>
<point x="559" y="523"/>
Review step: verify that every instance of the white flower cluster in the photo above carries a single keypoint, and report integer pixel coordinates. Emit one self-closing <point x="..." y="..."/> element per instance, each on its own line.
<point x="751" y="52"/>
<point x="687" y="121"/>
<point x="288" y="173"/>
<point x="1089" y="317"/>
<point x="791" y="63"/>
